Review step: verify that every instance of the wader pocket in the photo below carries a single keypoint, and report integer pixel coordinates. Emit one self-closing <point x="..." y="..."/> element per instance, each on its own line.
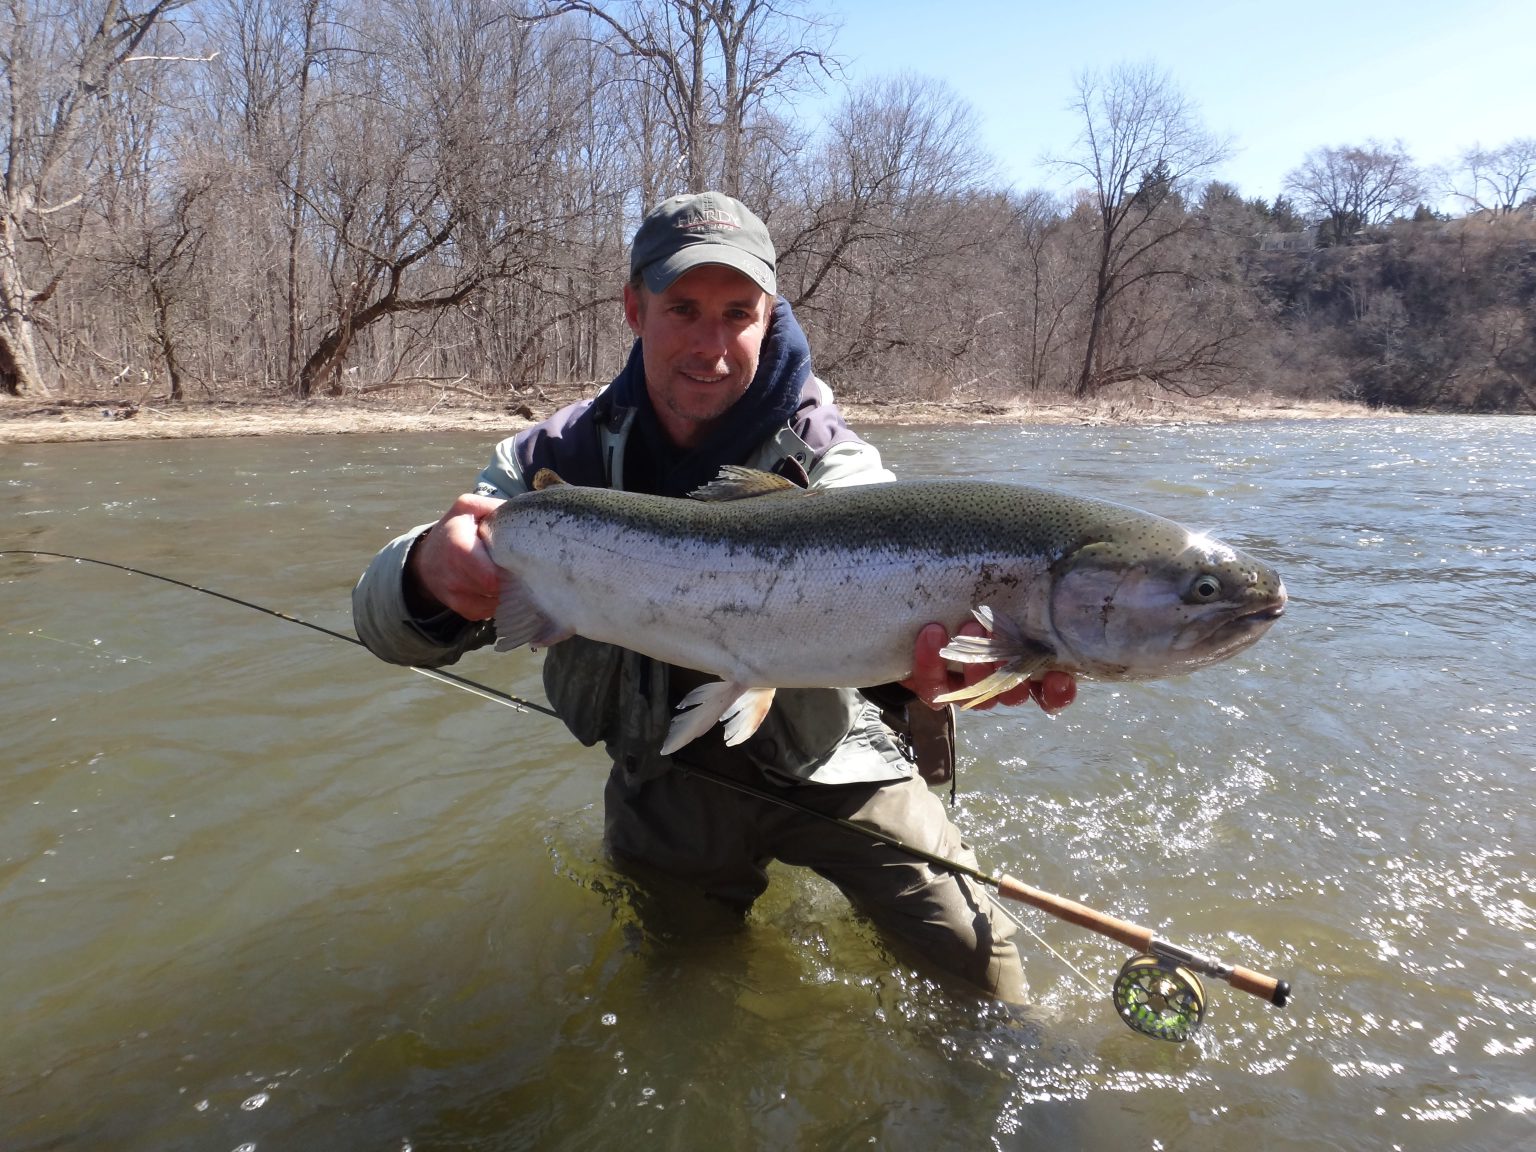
<point x="581" y="679"/>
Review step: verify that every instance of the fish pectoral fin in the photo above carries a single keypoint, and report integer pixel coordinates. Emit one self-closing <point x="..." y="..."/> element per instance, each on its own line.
<point x="1004" y="643"/>
<point x="734" y="482"/>
<point x="1017" y="655"/>
<point x="1005" y="679"/>
<point x="519" y="621"/>
<point x="743" y="710"/>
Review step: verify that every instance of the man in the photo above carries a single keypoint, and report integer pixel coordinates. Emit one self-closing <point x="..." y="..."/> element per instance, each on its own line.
<point x="719" y="374"/>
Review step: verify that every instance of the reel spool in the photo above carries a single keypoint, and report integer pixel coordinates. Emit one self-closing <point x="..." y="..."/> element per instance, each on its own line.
<point x="1158" y="998"/>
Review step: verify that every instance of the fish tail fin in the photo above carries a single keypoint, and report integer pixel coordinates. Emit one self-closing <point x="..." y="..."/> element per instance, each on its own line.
<point x="519" y="620"/>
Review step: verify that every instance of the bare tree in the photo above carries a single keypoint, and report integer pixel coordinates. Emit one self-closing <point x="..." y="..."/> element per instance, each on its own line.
<point x="1350" y="188"/>
<point x="452" y="137"/>
<point x="59" y="64"/>
<point x="894" y="220"/>
<point x="154" y="210"/>
<point x="552" y="310"/>
<point x="1044" y="285"/>
<point x="718" y="68"/>
<point x="1498" y="180"/>
<point x="1142" y="144"/>
<point x="297" y="170"/>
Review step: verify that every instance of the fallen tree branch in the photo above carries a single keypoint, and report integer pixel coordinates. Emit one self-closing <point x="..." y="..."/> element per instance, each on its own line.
<point x="428" y="382"/>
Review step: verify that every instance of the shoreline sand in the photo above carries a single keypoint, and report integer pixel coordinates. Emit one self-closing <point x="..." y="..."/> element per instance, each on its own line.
<point x="75" y="420"/>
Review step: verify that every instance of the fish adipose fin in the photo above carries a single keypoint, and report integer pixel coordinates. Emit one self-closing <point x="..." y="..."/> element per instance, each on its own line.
<point x="1019" y="657"/>
<point x="733" y="482"/>
<point x="519" y="621"/>
<point x="743" y="710"/>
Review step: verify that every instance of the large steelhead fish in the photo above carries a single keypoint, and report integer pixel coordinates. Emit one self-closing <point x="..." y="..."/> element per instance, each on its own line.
<point x="767" y="585"/>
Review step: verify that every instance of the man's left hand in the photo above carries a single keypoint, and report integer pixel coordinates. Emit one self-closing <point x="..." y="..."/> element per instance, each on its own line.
<point x="931" y="675"/>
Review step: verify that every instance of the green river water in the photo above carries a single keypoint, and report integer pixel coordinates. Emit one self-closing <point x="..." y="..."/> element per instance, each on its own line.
<point x="261" y="891"/>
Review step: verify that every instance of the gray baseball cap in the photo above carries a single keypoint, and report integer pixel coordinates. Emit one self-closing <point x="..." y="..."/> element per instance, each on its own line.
<point x="708" y="228"/>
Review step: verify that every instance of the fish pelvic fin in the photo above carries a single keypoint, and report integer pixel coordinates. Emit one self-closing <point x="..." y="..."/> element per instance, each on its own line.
<point x="743" y="709"/>
<point x="1017" y="656"/>
<point x="747" y="714"/>
<point x="734" y="482"/>
<point x="519" y="621"/>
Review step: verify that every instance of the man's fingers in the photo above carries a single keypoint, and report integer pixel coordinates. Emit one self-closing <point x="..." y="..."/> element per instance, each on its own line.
<point x="476" y="506"/>
<point x="453" y="564"/>
<point x="975" y="673"/>
<point x="1054" y="690"/>
<point x="930" y="675"/>
<point x="1019" y="695"/>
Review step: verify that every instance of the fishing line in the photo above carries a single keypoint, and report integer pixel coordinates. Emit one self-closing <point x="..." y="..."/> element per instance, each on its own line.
<point x="38" y="634"/>
<point x="1157" y="992"/>
<point x="474" y="687"/>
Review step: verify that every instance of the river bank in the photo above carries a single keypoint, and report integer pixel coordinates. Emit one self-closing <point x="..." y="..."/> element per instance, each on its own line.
<point x="77" y="419"/>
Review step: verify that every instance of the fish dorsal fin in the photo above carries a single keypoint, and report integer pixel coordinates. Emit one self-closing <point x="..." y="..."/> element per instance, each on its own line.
<point x="546" y="478"/>
<point x="735" y="482"/>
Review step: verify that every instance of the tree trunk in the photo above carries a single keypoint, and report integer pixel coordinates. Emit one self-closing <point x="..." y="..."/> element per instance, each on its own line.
<point x="300" y="187"/>
<point x="19" y="374"/>
<point x="164" y="338"/>
<point x="325" y="361"/>
<point x="18" y="363"/>
<point x="1085" y="380"/>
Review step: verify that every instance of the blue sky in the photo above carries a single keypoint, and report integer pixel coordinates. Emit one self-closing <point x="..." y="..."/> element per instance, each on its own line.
<point x="1280" y="79"/>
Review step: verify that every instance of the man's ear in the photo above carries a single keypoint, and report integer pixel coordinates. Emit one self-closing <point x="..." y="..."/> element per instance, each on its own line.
<point x="632" y="306"/>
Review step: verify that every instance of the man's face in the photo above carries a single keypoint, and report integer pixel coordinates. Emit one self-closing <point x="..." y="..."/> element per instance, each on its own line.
<point x="700" y="340"/>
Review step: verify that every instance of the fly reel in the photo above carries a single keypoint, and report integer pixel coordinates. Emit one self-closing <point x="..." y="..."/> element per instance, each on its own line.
<point x="1159" y="998"/>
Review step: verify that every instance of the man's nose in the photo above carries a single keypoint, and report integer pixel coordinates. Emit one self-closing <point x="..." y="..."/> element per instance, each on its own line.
<point x="710" y="338"/>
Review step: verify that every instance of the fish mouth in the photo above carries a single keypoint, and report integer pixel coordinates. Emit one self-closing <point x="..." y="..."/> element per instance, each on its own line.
<point x="1266" y="615"/>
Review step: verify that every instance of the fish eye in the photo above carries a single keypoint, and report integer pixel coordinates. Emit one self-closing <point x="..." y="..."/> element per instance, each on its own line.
<point x="1205" y="588"/>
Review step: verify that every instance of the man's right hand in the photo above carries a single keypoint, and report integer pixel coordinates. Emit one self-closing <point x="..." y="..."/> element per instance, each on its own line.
<point x="932" y="675"/>
<point x="451" y="567"/>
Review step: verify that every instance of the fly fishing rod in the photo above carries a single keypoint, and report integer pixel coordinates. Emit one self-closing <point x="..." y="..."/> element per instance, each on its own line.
<point x="1158" y="991"/>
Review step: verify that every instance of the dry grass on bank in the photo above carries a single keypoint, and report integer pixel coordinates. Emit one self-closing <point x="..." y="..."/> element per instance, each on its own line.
<point x="77" y="419"/>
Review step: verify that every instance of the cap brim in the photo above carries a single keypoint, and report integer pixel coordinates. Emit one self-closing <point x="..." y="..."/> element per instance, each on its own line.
<point x="662" y="274"/>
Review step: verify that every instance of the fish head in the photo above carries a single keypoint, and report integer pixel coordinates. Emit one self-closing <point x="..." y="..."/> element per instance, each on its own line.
<point x="1160" y="605"/>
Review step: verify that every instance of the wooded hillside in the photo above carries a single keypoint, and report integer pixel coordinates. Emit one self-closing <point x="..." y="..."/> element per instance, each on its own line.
<point x="216" y="198"/>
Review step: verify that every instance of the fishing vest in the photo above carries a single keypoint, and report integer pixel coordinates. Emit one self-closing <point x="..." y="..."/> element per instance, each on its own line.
<point x="608" y="694"/>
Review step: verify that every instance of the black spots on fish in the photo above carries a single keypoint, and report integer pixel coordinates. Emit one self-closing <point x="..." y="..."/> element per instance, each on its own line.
<point x="993" y="575"/>
<point x="905" y="523"/>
